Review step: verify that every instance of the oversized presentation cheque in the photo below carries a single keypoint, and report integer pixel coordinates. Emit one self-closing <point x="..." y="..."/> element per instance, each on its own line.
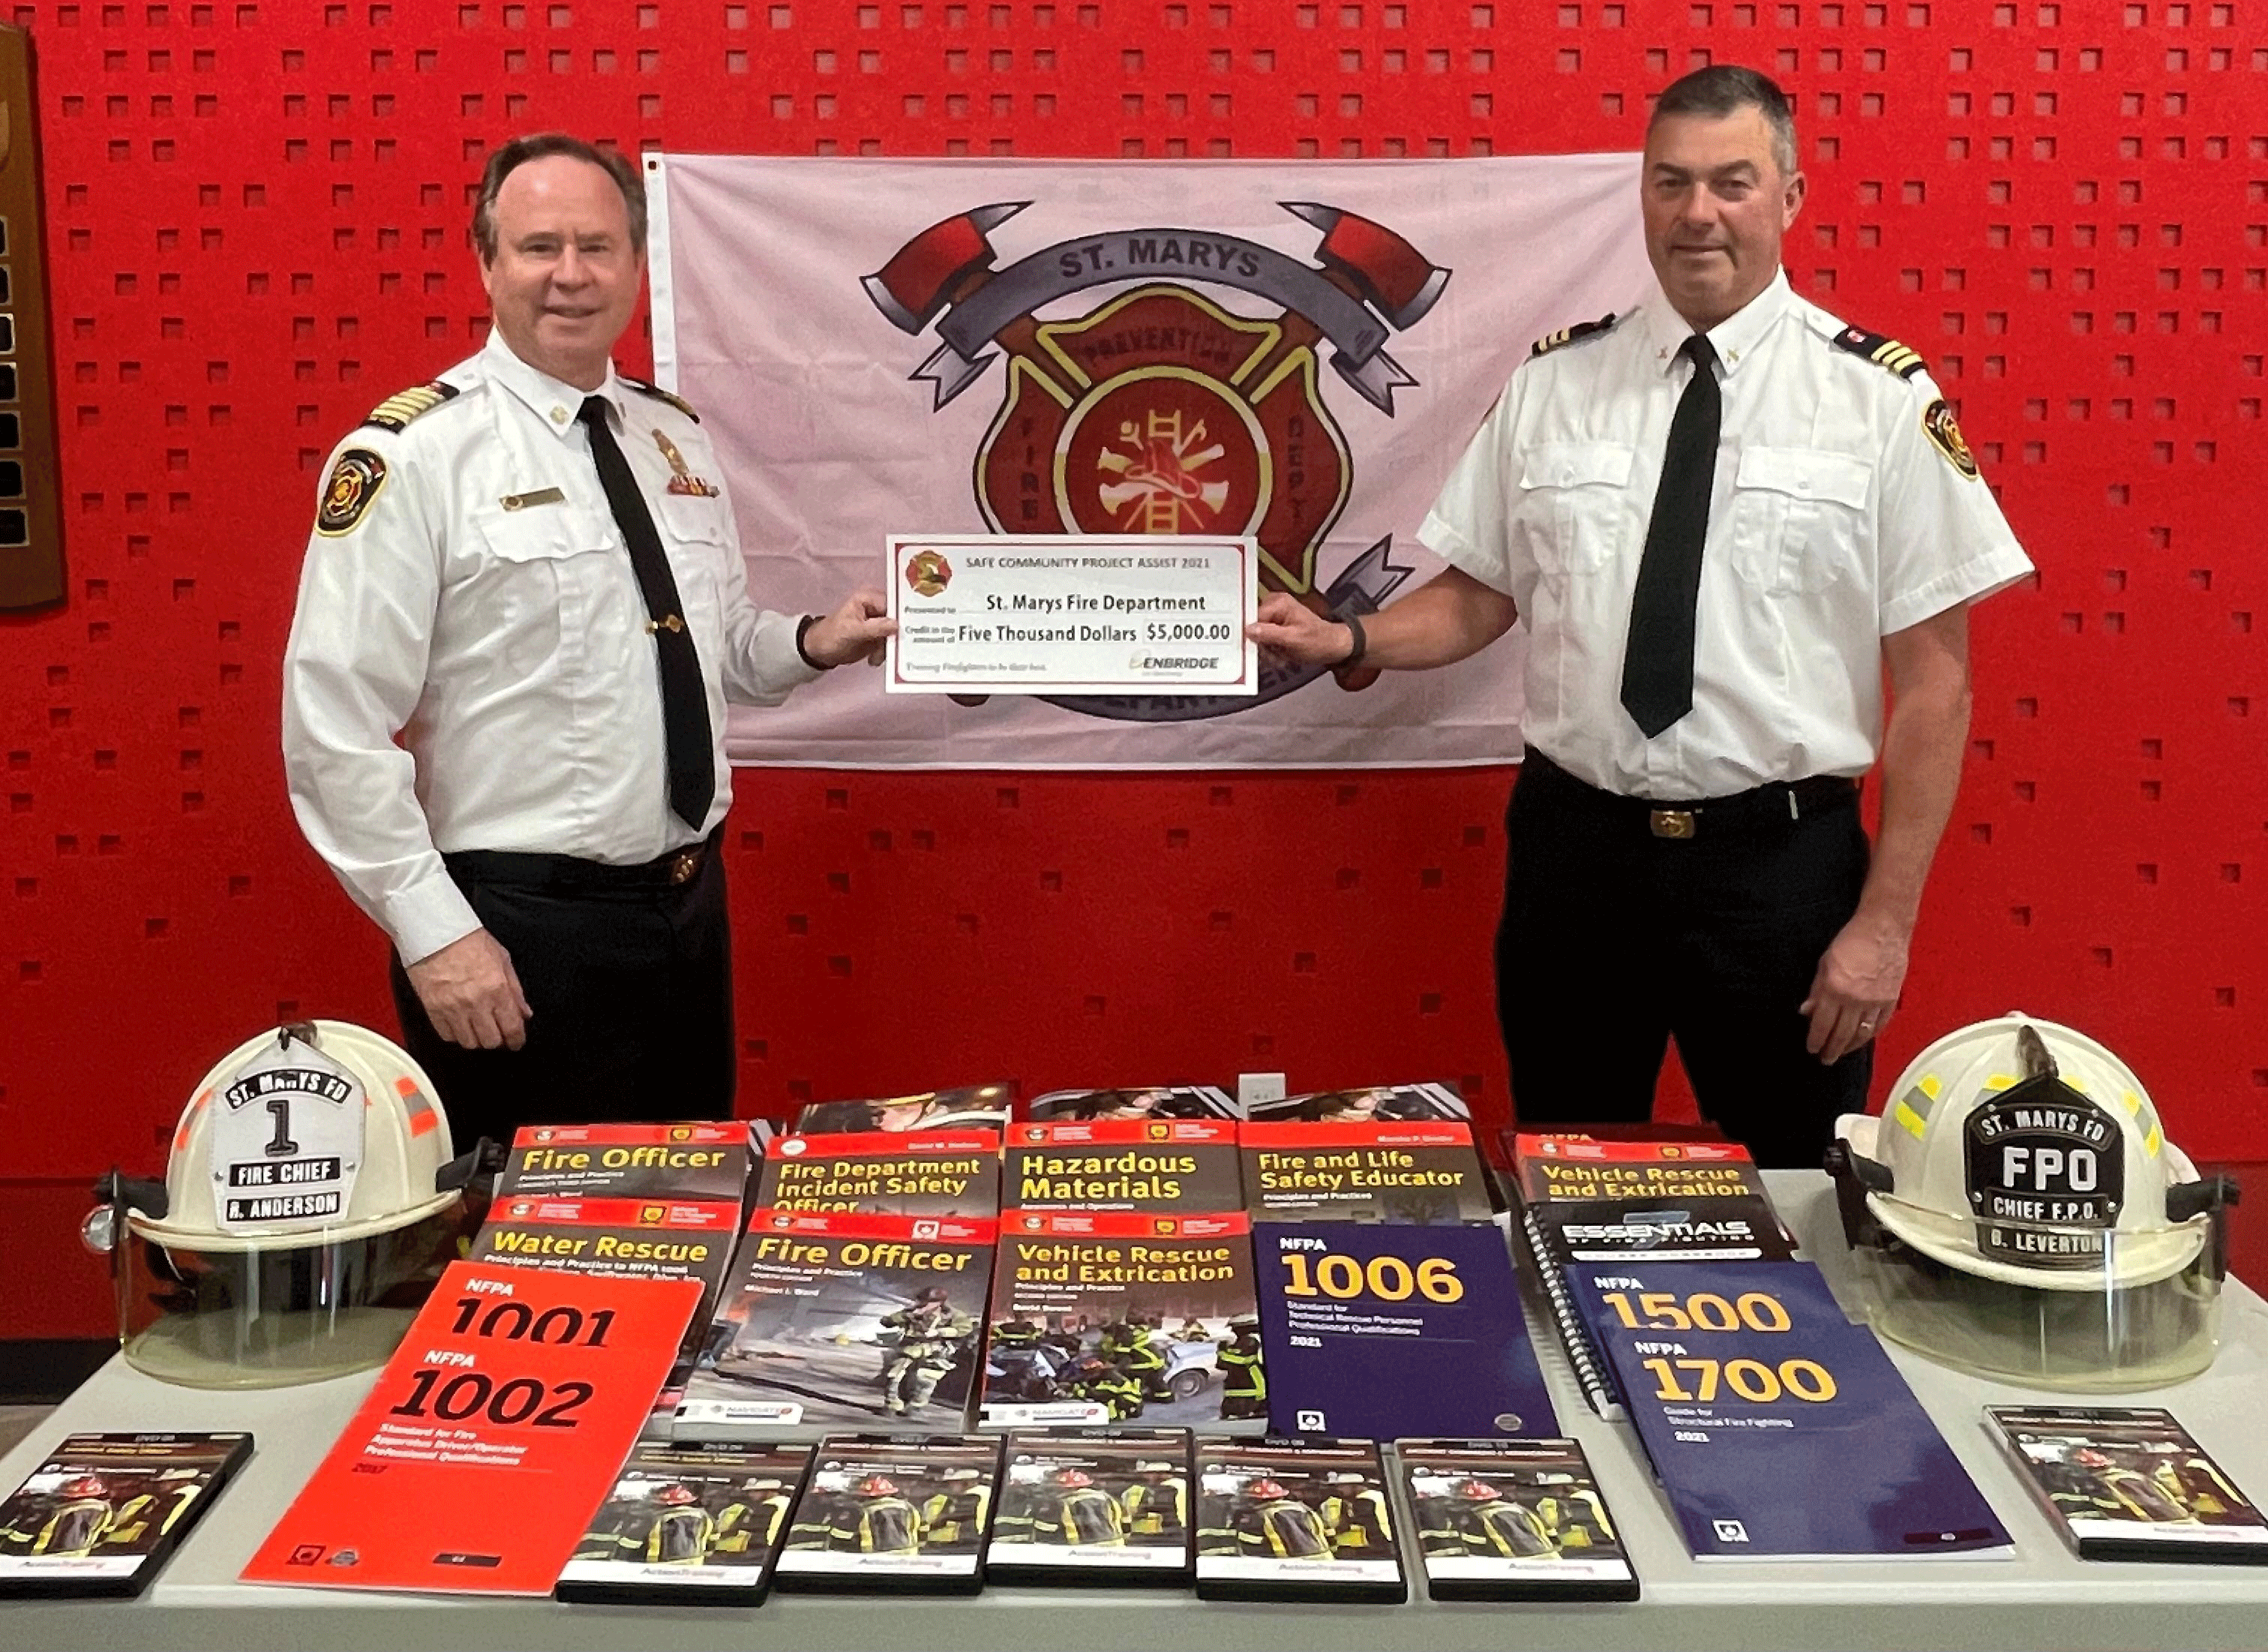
<point x="1072" y="614"/>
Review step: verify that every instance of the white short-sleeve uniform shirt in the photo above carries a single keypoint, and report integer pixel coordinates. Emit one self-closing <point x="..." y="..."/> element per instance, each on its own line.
<point x="1846" y="507"/>
<point x="471" y="664"/>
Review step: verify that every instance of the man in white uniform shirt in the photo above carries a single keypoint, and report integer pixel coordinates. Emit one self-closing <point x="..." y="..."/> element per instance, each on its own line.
<point x="1725" y="517"/>
<point x="521" y="615"/>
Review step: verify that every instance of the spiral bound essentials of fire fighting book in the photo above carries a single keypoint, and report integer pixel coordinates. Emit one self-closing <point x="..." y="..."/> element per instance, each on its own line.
<point x="885" y="1173"/>
<point x="1512" y="1520"/>
<point x="1104" y="1316"/>
<point x="1383" y="1103"/>
<point x="104" y="1513"/>
<point x="1083" y="1506"/>
<point x="1176" y="1101"/>
<point x="1778" y="1429"/>
<point x="2129" y="1483"/>
<point x="689" y="1160"/>
<point x="976" y="1106"/>
<point x="1372" y="1330"/>
<point x="1584" y="1201"/>
<point x="1284" y="1522"/>
<point x="894" y="1513"/>
<point x="1157" y="1165"/>
<point x="1419" y="1172"/>
<point x="696" y="1525"/>
<point x="633" y="1238"/>
<point x="831" y="1319"/>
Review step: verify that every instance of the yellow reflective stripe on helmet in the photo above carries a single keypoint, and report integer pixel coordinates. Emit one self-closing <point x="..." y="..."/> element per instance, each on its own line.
<point x="2131" y="1103"/>
<point x="2000" y="1081"/>
<point x="2074" y="1081"/>
<point x="1932" y="1085"/>
<point x="2155" y="1141"/>
<point x="1912" y="1122"/>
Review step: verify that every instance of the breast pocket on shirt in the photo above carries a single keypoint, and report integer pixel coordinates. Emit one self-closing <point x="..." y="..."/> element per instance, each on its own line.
<point x="693" y="529"/>
<point x="1800" y="517"/>
<point x="1572" y="501"/>
<point x="551" y="579"/>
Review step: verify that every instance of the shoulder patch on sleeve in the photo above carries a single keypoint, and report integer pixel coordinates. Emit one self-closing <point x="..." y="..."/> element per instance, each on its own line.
<point x="1550" y="341"/>
<point x="357" y="476"/>
<point x="398" y="410"/>
<point x="1883" y="352"/>
<point x="1937" y="423"/>
<point x="657" y="391"/>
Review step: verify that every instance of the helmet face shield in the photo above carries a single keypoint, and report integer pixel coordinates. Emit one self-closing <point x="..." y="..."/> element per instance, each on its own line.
<point x="268" y="1318"/>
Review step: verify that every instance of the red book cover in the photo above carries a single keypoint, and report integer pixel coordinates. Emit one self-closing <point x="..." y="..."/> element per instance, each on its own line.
<point x="493" y="1434"/>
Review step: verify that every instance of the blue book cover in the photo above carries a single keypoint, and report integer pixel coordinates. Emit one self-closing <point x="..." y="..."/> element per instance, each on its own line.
<point x="1373" y="1330"/>
<point x="1778" y="1429"/>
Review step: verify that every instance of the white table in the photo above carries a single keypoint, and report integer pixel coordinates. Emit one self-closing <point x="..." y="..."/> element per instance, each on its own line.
<point x="2043" y="1598"/>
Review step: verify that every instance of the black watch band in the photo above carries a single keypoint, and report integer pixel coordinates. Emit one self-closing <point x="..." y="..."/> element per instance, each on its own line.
<point x="802" y="630"/>
<point x="1352" y="621"/>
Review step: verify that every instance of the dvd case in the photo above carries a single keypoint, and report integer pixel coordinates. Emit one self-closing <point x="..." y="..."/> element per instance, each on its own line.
<point x="1278" y="1521"/>
<point x="695" y="1525"/>
<point x="101" y="1515"/>
<point x="2129" y="1483"/>
<point x="1108" y="1316"/>
<point x="1084" y="1506"/>
<point x="831" y="1319"/>
<point x="894" y="1513"/>
<point x="1512" y="1520"/>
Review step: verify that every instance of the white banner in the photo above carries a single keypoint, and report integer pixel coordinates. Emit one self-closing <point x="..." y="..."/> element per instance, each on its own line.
<point x="1295" y="351"/>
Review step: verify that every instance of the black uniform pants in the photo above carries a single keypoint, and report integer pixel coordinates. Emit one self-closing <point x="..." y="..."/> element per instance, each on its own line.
<point x="1615" y="938"/>
<point x="630" y="977"/>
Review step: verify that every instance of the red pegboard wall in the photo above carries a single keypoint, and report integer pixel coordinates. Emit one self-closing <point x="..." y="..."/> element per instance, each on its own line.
<point x="257" y="232"/>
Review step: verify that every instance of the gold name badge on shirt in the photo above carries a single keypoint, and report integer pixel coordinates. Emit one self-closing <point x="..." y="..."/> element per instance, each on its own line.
<point x="540" y="496"/>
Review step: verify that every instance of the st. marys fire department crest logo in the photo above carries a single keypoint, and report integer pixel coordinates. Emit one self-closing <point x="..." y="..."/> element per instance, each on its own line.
<point x="1163" y="409"/>
<point x="928" y="572"/>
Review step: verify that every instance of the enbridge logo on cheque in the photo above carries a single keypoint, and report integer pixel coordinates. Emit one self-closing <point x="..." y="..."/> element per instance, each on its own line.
<point x="1164" y="410"/>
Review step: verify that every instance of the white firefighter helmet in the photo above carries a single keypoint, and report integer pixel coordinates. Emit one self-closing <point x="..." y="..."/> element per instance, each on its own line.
<point x="319" y="1131"/>
<point x="2020" y="1151"/>
<point x="310" y="1202"/>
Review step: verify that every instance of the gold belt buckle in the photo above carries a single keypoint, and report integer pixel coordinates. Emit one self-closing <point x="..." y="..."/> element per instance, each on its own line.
<point x="1672" y="823"/>
<point x="682" y="868"/>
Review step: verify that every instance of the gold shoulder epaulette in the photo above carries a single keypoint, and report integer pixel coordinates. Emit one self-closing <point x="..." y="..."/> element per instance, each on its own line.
<point x="655" y="390"/>
<point x="1550" y="341"/>
<point x="397" y="410"/>
<point x="1883" y="352"/>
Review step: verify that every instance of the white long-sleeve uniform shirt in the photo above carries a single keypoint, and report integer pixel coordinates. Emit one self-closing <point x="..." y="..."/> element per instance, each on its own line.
<point x="469" y="666"/>
<point x="1838" y="519"/>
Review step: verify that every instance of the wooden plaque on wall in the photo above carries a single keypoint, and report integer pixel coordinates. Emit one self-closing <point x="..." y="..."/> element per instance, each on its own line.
<point x="31" y="512"/>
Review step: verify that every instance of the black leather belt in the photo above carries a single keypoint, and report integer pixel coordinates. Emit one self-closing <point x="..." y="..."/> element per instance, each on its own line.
<point x="568" y="871"/>
<point x="1778" y="802"/>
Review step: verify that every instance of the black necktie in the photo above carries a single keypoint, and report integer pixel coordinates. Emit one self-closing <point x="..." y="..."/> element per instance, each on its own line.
<point x="684" y="701"/>
<point x="1658" y="658"/>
